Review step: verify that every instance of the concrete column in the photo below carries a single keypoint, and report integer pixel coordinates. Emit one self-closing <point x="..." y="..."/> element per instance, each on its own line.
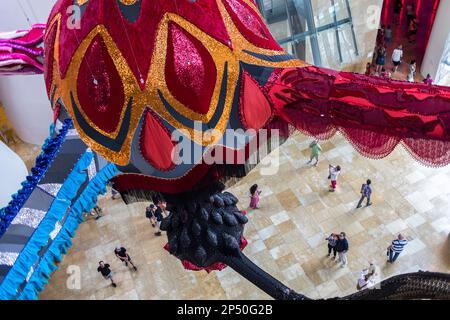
<point x="24" y="97"/>
<point x="437" y="43"/>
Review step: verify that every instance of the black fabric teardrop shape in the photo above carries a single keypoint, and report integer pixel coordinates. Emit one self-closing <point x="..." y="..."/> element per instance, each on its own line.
<point x="240" y="217"/>
<point x="218" y="202"/>
<point x="230" y="196"/>
<point x="175" y="221"/>
<point x="196" y="228"/>
<point x="216" y="218"/>
<point x="185" y="240"/>
<point x="200" y="255"/>
<point x="173" y="244"/>
<point x="204" y="215"/>
<point x="230" y="220"/>
<point x="230" y="243"/>
<point x="211" y="237"/>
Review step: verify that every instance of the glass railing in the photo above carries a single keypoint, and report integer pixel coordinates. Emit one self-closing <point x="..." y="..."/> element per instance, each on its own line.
<point x="318" y="31"/>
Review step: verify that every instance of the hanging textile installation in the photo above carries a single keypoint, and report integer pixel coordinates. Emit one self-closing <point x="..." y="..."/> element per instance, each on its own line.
<point x="143" y="72"/>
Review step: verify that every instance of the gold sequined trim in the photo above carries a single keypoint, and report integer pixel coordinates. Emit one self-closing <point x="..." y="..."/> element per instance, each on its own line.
<point x="128" y="2"/>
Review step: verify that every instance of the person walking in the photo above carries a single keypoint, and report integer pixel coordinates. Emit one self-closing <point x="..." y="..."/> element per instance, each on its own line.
<point x="412" y="71"/>
<point x="106" y="272"/>
<point x="410" y="13"/>
<point x="368" y="69"/>
<point x="412" y="31"/>
<point x="342" y="249"/>
<point x="122" y="255"/>
<point x="398" y="6"/>
<point x="332" y="241"/>
<point x="428" y="80"/>
<point x="95" y="213"/>
<point x="381" y="58"/>
<point x="254" y="196"/>
<point x="316" y="149"/>
<point x="150" y="214"/>
<point x="388" y="35"/>
<point x="366" y="192"/>
<point x="380" y="35"/>
<point x="114" y="194"/>
<point x="397" y="246"/>
<point x="334" y="174"/>
<point x="397" y="56"/>
<point x="159" y="215"/>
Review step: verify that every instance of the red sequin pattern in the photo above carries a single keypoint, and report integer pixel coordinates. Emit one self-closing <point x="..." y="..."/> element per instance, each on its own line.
<point x="189" y="67"/>
<point x="248" y="18"/>
<point x="96" y="78"/>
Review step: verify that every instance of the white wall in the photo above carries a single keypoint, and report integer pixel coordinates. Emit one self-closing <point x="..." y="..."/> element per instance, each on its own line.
<point x="24" y="97"/>
<point x="12" y="172"/>
<point x="438" y="38"/>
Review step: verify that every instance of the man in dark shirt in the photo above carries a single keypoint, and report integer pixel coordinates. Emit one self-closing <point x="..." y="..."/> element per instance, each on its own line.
<point x="123" y="256"/>
<point x="366" y="192"/>
<point x="159" y="215"/>
<point x="342" y="248"/>
<point x="106" y="272"/>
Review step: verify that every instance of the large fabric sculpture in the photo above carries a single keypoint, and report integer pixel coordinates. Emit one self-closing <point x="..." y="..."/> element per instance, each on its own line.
<point x="134" y="73"/>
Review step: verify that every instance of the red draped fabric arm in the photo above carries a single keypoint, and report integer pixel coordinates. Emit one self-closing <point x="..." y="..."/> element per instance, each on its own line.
<point x="374" y="114"/>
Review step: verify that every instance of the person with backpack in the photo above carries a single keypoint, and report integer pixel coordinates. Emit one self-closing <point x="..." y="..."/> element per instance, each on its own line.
<point x="159" y="215"/>
<point x="150" y="214"/>
<point x="332" y="241"/>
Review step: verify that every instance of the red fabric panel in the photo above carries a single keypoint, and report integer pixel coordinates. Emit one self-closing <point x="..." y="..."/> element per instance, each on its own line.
<point x="100" y="89"/>
<point x="370" y="144"/>
<point x="254" y="106"/>
<point x="156" y="144"/>
<point x="250" y="24"/>
<point x="429" y="152"/>
<point x="130" y="181"/>
<point x="135" y="40"/>
<point x="191" y="74"/>
<point x="56" y="112"/>
<point x="374" y="114"/>
<point x="49" y="57"/>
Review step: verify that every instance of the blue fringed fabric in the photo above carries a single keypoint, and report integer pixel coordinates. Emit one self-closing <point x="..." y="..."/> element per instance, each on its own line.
<point x="85" y="203"/>
<point x="43" y="162"/>
<point x="30" y="253"/>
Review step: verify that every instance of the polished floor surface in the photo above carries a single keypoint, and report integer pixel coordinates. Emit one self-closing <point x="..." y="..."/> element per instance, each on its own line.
<point x="286" y="236"/>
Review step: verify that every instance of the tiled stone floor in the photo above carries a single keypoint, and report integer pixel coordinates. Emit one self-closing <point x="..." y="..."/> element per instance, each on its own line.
<point x="26" y="151"/>
<point x="286" y="236"/>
